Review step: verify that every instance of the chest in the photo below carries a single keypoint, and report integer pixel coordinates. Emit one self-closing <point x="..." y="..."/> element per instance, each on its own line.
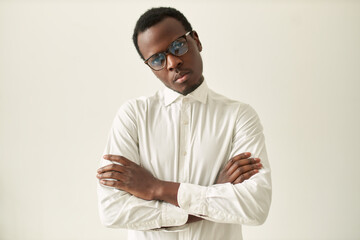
<point x="187" y="142"/>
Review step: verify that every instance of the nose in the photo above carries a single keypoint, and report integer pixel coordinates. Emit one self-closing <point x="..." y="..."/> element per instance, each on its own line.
<point x="173" y="62"/>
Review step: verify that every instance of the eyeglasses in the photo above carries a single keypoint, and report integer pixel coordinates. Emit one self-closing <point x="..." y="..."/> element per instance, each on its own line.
<point x="177" y="48"/>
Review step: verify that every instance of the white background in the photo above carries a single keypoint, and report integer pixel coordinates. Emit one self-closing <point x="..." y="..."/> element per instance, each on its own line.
<point x="66" y="67"/>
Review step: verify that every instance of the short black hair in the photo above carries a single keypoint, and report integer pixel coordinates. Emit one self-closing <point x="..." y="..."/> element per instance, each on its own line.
<point x="154" y="16"/>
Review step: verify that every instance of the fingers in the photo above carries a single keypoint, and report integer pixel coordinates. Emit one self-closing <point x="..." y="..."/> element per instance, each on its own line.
<point x="244" y="169"/>
<point x="245" y="176"/>
<point x="111" y="167"/>
<point x="112" y="183"/>
<point x="243" y="162"/>
<point x="120" y="159"/>
<point x="112" y="179"/>
<point x="237" y="158"/>
<point x="241" y="156"/>
<point x="110" y="175"/>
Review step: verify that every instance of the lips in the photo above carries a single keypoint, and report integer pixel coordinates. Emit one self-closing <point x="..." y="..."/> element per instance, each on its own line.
<point x="181" y="77"/>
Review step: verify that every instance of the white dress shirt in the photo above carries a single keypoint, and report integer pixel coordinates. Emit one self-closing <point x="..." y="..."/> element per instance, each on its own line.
<point x="187" y="139"/>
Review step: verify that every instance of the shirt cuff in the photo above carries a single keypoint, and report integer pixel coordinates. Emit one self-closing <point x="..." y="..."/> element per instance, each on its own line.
<point x="172" y="216"/>
<point x="192" y="198"/>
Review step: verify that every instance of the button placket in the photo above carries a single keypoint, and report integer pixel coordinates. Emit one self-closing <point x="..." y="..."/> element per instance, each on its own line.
<point x="185" y="111"/>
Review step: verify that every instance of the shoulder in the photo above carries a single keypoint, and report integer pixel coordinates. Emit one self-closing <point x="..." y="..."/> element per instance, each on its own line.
<point x="139" y="105"/>
<point x="243" y="111"/>
<point x="224" y="101"/>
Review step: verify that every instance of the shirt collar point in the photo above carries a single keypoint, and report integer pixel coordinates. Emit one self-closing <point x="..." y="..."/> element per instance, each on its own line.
<point x="199" y="94"/>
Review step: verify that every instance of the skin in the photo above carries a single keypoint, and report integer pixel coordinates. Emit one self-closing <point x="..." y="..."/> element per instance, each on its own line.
<point x="157" y="38"/>
<point x="136" y="180"/>
<point x="239" y="168"/>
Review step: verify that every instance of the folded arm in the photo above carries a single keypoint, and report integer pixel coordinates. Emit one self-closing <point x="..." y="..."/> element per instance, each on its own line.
<point x="133" y="202"/>
<point x="120" y="209"/>
<point x="244" y="203"/>
<point x="136" y="180"/>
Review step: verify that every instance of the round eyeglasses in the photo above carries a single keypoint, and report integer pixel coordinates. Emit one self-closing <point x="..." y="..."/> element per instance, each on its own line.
<point x="177" y="48"/>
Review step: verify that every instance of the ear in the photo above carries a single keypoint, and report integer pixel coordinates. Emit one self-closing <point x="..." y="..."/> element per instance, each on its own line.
<point x="195" y="36"/>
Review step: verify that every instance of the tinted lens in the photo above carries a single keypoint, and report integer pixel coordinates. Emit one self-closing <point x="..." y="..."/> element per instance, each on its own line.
<point x="178" y="47"/>
<point x="157" y="61"/>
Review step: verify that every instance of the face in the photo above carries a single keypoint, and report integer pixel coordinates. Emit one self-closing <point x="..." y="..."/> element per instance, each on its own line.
<point x="182" y="74"/>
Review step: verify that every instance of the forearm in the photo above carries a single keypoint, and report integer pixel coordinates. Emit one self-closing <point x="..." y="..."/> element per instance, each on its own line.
<point x="122" y="209"/>
<point x="244" y="203"/>
<point x="119" y="209"/>
<point x="238" y="169"/>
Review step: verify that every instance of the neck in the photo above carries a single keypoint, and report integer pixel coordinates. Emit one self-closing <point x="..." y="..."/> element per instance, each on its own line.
<point x="201" y="80"/>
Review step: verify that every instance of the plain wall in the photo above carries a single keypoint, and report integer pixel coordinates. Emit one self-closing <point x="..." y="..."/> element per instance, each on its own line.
<point x="66" y="67"/>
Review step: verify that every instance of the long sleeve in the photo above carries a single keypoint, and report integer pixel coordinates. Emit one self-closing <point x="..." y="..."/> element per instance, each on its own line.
<point x="244" y="203"/>
<point x="119" y="209"/>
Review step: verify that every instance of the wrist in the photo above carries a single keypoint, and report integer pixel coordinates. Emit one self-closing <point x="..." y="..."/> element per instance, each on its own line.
<point x="166" y="191"/>
<point x="158" y="190"/>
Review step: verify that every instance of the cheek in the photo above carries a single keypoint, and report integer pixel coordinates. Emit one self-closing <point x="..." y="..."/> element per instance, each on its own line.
<point x="195" y="58"/>
<point x="200" y="63"/>
<point x="197" y="62"/>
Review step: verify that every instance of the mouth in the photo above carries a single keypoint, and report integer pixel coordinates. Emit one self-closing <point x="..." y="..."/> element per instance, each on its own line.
<point x="181" y="77"/>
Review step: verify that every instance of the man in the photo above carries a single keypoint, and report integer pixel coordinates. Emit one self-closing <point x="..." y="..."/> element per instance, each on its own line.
<point x="184" y="163"/>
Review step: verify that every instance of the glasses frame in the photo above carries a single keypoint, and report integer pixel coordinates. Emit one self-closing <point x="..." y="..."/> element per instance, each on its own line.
<point x="167" y="52"/>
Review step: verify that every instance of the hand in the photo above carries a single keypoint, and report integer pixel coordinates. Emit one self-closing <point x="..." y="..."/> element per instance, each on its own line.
<point x="129" y="177"/>
<point x="239" y="169"/>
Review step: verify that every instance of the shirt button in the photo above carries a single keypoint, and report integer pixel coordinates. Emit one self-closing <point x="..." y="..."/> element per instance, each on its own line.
<point x="185" y="153"/>
<point x="185" y="122"/>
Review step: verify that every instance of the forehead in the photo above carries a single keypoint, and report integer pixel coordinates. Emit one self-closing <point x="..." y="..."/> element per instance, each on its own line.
<point x="158" y="37"/>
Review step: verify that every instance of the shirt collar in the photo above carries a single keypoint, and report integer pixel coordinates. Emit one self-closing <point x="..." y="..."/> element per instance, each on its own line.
<point x="199" y="94"/>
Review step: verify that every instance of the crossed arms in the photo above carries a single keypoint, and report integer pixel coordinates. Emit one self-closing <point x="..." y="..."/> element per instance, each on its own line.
<point x="136" y="180"/>
<point x="135" y="199"/>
